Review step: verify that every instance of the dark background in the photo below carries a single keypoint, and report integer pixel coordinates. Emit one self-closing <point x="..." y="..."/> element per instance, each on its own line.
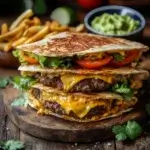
<point x="9" y="7"/>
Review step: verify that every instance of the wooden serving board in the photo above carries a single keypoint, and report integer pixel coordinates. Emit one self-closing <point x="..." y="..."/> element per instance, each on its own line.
<point x="55" y="129"/>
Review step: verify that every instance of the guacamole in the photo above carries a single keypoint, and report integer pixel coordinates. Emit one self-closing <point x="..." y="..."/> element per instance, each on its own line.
<point x="114" y="24"/>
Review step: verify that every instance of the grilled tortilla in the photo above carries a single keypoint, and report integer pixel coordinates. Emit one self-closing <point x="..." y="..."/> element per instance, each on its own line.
<point x="121" y="81"/>
<point x="69" y="44"/>
<point x="76" y="50"/>
<point x="78" y="106"/>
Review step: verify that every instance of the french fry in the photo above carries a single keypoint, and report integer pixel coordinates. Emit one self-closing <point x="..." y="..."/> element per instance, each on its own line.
<point x="24" y="15"/>
<point x="72" y="29"/>
<point x="36" y="21"/>
<point x="53" y="27"/>
<point x="16" y="37"/>
<point x="8" y="47"/>
<point x="32" y="30"/>
<point x="50" y="34"/>
<point x="2" y="45"/>
<point x="55" y="23"/>
<point x="12" y="33"/>
<point x="19" y="41"/>
<point x="39" y="35"/>
<point x="79" y="28"/>
<point x="4" y="28"/>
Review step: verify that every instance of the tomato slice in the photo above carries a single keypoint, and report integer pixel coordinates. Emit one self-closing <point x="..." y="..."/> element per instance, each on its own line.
<point x="132" y="55"/>
<point x="90" y="64"/>
<point x="30" y="60"/>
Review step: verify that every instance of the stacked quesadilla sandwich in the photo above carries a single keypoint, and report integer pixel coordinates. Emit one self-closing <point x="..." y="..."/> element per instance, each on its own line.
<point x="82" y="77"/>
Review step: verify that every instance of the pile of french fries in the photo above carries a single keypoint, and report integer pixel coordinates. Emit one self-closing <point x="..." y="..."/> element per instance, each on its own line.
<point x="27" y="29"/>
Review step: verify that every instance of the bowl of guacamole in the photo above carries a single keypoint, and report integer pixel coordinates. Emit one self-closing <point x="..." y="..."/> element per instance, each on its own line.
<point x="115" y="21"/>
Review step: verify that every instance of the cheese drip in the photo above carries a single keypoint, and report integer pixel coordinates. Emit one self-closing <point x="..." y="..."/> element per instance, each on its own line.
<point x="69" y="80"/>
<point x="80" y="106"/>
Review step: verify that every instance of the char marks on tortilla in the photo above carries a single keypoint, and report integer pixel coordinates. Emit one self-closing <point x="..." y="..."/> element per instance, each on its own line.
<point x="69" y="44"/>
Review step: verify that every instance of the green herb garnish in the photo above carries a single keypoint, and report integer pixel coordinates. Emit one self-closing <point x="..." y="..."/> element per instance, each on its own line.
<point x="124" y="90"/>
<point x="4" y="82"/>
<point x="23" y="83"/>
<point x="131" y="130"/>
<point x="118" y="57"/>
<point x="12" y="145"/>
<point x="21" y="100"/>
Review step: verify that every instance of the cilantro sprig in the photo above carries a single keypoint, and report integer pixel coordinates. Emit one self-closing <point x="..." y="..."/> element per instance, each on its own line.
<point x="23" y="83"/>
<point x="123" y="89"/>
<point x="21" y="100"/>
<point x="12" y="145"/>
<point x="131" y="130"/>
<point x="4" y="81"/>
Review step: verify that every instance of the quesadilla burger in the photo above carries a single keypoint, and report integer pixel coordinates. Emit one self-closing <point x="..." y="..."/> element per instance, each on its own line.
<point x="81" y="50"/>
<point x="83" y="96"/>
<point x="81" y="77"/>
<point x="78" y="106"/>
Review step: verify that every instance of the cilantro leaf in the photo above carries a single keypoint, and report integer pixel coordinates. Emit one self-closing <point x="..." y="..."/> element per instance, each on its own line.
<point x="4" y="82"/>
<point x="133" y="130"/>
<point x="21" y="100"/>
<point x="128" y="96"/>
<point x="124" y="90"/>
<point x="147" y="107"/>
<point x="119" y="132"/>
<point x="121" y="88"/>
<point x="13" y="145"/>
<point x="130" y="130"/>
<point x="118" y="128"/>
<point x="23" y="83"/>
<point x="121" y="136"/>
<point x="118" y="57"/>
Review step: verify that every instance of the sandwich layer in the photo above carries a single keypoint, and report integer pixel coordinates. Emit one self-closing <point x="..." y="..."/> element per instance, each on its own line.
<point x="77" y="106"/>
<point x="75" y="50"/>
<point x="106" y="80"/>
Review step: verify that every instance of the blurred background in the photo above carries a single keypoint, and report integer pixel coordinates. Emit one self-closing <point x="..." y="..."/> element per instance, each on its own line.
<point x="8" y="7"/>
<point x="11" y="9"/>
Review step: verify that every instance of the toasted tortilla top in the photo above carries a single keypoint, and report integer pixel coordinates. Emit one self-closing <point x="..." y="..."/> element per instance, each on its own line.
<point x="69" y="44"/>
<point x="105" y="71"/>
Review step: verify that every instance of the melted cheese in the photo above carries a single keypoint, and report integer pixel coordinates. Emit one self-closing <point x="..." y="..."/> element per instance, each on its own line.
<point x="69" y="80"/>
<point x="80" y="107"/>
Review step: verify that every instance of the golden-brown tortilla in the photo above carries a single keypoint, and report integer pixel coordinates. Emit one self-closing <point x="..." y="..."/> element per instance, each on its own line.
<point x="69" y="44"/>
<point x="105" y="71"/>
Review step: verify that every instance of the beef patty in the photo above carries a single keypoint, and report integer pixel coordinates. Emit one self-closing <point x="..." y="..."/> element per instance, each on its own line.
<point x="86" y="85"/>
<point x="56" y="108"/>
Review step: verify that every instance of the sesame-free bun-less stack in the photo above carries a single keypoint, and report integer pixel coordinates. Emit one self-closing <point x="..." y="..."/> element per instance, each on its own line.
<point x="82" y="77"/>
